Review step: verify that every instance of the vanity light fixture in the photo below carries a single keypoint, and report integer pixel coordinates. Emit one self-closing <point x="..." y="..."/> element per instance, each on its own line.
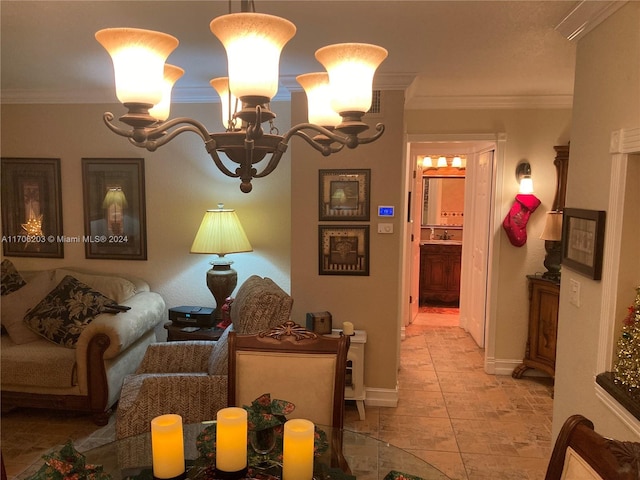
<point x="523" y="175"/>
<point x="456" y="162"/>
<point x="442" y="162"/>
<point x="253" y="43"/>
<point x="427" y="162"/>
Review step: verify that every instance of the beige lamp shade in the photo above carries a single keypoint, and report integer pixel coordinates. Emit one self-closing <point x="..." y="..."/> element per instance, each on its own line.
<point x="227" y="99"/>
<point x="319" y="111"/>
<point x="442" y="162"/>
<point x="114" y="197"/>
<point x="221" y="232"/>
<point x="171" y="75"/>
<point x="351" y="67"/>
<point x="253" y="42"/>
<point x="552" y="227"/>
<point x="138" y="62"/>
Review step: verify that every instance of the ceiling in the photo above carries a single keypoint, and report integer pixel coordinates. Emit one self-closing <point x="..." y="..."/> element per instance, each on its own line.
<point x="437" y="49"/>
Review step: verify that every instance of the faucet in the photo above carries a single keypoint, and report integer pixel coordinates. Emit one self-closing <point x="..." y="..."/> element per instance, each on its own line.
<point x="446" y="236"/>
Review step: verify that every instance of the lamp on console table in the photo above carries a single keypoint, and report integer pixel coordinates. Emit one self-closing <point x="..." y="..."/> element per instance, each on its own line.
<point x="221" y="233"/>
<point x="552" y="236"/>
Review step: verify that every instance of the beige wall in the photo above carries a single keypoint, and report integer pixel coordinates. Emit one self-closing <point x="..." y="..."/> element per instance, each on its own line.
<point x="370" y="302"/>
<point x="606" y="98"/>
<point x="531" y="135"/>
<point x="181" y="183"/>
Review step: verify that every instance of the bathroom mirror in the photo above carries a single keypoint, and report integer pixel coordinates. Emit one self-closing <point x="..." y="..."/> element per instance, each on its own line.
<point x="443" y="201"/>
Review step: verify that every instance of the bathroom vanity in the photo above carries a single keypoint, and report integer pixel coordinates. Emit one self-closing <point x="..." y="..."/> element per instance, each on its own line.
<point x="440" y="262"/>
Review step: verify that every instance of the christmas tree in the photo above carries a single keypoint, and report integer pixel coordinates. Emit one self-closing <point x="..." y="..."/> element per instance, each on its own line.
<point x="627" y="368"/>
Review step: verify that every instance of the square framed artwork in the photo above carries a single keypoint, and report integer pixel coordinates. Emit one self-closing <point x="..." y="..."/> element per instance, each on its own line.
<point x="344" y="250"/>
<point x="31" y="207"/>
<point x="344" y="195"/>
<point x="114" y="208"/>
<point x="583" y="240"/>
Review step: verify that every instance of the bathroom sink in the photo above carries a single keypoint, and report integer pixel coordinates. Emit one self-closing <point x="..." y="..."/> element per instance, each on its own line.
<point x="441" y="242"/>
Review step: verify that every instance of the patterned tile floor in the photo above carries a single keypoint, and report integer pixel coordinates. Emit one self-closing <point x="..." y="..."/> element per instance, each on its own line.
<point x="470" y="425"/>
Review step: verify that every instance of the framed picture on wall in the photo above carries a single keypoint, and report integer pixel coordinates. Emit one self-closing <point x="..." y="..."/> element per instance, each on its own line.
<point x="344" y="194"/>
<point x="344" y="250"/>
<point x="114" y="208"/>
<point x="31" y="207"/>
<point x="583" y="240"/>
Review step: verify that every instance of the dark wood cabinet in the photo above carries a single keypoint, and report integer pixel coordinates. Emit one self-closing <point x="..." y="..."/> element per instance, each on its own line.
<point x="544" y="297"/>
<point x="440" y="273"/>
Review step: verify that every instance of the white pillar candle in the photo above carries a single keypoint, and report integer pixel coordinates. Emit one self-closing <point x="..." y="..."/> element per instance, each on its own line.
<point x="167" y="446"/>
<point x="297" y="450"/>
<point x="347" y="328"/>
<point x="231" y="439"/>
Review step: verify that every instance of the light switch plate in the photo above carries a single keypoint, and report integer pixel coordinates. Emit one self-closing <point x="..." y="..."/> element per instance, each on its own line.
<point x="385" y="228"/>
<point x="574" y="292"/>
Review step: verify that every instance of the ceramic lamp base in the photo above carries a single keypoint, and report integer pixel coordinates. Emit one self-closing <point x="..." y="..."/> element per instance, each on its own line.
<point x="222" y="281"/>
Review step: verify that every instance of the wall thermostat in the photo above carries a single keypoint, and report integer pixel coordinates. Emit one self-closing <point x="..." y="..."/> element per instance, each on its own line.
<point x="386" y="211"/>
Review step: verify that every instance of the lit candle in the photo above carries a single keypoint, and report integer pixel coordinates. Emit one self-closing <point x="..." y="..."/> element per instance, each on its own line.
<point x="297" y="450"/>
<point x="167" y="446"/>
<point x="347" y="328"/>
<point x="231" y="439"/>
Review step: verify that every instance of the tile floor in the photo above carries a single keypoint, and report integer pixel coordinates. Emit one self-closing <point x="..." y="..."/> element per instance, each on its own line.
<point x="470" y="425"/>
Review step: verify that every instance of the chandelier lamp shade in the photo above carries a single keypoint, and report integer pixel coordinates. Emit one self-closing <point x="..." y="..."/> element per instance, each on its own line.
<point x="221" y="233"/>
<point x="337" y="98"/>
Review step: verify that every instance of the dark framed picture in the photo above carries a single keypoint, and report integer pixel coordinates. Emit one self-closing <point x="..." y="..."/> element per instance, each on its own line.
<point x="344" y="194"/>
<point x="344" y="250"/>
<point x="31" y="208"/>
<point x="583" y="240"/>
<point x="114" y="208"/>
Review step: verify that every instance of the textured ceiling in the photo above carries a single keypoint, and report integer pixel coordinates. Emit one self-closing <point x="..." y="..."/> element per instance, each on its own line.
<point x="436" y="48"/>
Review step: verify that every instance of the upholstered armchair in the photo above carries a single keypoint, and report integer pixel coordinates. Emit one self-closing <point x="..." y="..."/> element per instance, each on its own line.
<point x="190" y="378"/>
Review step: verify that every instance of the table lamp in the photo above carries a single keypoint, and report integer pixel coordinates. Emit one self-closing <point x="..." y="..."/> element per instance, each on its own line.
<point x="552" y="236"/>
<point x="221" y="233"/>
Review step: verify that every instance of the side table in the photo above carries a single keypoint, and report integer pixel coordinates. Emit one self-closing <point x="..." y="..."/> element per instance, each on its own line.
<point x="544" y="297"/>
<point x="354" y="389"/>
<point x="178" y="333"/>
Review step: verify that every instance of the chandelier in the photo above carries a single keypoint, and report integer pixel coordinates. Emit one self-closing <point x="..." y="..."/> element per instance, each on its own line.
<point x="337" y="98"/>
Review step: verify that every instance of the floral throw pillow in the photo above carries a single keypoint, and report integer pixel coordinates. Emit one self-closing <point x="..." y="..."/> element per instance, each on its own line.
<point x="11" y="280"/>
<point x="65" y="312"/>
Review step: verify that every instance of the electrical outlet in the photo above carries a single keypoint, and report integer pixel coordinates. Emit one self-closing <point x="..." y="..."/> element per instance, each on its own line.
<point x="574" y="292"/>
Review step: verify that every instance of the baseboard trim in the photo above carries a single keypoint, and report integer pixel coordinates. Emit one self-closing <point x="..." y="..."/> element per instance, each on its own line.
<point x="381" y="397"/>
<point x="502" y="366"/>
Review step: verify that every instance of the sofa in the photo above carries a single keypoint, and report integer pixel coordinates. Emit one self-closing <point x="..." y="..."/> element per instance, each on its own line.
<point x="189" y="378"/>
<point x="70" y="336"/>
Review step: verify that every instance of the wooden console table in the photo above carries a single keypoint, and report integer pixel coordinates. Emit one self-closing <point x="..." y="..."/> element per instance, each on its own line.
<point x="544" y="297"/>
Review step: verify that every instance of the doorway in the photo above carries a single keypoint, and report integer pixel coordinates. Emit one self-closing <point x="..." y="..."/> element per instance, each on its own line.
<point x="484" y="157"/>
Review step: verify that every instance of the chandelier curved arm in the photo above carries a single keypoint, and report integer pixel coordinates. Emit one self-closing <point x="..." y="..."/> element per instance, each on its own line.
<point x="373" y="138"/>
<point x="325" y="148"/>
<point x="273" y="161"/>
<point x="157" y="134"/>
<point x="211" y="146"/>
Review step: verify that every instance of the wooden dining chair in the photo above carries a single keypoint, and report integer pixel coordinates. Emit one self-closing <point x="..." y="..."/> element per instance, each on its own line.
<point x="299" y="366"/>
<point x="292" y="364"/>
<point x="580" y="453"/>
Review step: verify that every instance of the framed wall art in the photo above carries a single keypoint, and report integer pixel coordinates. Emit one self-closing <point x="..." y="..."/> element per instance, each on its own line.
<point x="344" y="194"/>
<point x="114" y="208"/>
<point x="344" y="250"/>
<point x="583" y="240"/>
<point x="31" y="207"/>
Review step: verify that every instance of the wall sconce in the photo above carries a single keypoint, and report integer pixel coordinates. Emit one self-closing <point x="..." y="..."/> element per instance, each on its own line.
<point x="523" y="175"/>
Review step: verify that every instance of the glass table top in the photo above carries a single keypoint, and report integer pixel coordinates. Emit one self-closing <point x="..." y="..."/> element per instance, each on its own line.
<point x="367" y="458"/>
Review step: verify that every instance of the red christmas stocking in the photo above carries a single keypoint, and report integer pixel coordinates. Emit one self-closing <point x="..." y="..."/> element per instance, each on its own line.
<point x="515" y="223"/>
